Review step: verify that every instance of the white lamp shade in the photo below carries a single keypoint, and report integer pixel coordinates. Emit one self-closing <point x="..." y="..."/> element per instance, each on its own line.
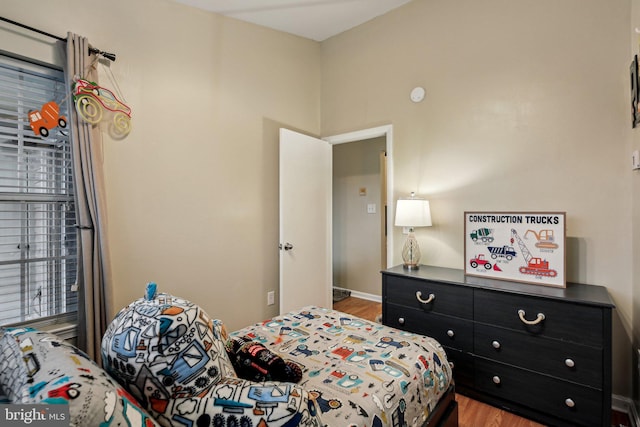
<point x="413" y="213"/>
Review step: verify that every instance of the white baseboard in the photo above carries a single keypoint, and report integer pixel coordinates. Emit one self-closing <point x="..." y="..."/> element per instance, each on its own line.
<point x="625" y="405"/>
<point x="361" y="295"/>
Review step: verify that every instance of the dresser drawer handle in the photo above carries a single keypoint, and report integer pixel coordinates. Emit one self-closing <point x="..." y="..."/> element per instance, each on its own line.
<point x="425" y="301"/>
<point x="538" y="319"/>
<point x="401" y="320"/>
<point x="570" y="363"/>
<point x="496" y="379"/>
<point x="496" y="344"/>
<point x="569" y="402"/>
<point x="450" y="333"/>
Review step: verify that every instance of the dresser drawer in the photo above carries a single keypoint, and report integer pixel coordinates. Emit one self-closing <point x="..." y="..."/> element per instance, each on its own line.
<point x="574" y="362"/>
<point x="565" y="400"/>
<point x="570" y="322"/>
<point x="461" y="366"/>
<point x="448" y="331"/>
<point x="447" y="299"/>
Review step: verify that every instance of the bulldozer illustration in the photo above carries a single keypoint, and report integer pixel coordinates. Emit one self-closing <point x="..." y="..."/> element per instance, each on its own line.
<point x="545" y="239"/>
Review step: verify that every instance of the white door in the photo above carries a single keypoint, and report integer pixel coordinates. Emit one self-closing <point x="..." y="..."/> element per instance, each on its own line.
<point x="305" y="221"/>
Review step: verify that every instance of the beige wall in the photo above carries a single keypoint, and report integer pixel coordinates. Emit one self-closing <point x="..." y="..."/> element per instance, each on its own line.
<point x="192" y="192"/>
<point x="357" y="234"/>
<point x="526" y="109"/>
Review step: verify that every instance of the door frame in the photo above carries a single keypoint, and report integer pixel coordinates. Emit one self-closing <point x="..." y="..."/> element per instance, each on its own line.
<point x="359" y="135"/>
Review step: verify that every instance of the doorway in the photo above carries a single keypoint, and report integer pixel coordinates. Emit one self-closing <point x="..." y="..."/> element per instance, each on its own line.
<point x="362" y="204"/>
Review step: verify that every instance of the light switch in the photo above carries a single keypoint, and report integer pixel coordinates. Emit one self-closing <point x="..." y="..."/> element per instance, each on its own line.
<point x="371" y="208"/>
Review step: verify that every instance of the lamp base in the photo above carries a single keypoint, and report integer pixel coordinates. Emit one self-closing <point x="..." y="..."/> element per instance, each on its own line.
<point x="411" y="252"/>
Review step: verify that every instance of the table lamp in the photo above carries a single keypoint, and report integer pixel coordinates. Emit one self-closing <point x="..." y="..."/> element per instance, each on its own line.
<point x="413" y="212"/>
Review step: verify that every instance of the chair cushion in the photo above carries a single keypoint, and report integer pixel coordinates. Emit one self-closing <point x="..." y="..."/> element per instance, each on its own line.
<point x="171" y="356"/>
<point x="165" y="346"/>
<point x="39" y="367"/>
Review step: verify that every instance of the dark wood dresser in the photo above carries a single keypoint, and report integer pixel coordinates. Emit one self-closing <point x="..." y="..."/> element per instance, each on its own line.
<point x="541" y="352"/>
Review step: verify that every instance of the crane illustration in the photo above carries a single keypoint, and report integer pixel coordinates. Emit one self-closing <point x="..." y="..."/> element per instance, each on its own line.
<point x="535" y="265"/>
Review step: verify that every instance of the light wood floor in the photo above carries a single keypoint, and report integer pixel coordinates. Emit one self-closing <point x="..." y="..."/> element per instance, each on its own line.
<point x="471" y="413"/>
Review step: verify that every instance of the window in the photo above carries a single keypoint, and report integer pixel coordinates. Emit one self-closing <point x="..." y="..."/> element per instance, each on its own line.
<point x="38" y="234"/>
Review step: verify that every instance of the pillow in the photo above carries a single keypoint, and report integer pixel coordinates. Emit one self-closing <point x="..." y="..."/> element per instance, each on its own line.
<point x="39" y="367"/>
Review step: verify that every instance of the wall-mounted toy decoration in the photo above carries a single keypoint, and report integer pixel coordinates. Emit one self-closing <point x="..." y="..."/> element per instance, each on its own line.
<point x="95" y="103"/>
<point x="47" y="118"/>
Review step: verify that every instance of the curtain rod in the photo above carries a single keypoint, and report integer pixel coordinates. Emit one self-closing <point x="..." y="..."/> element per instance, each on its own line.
<point x="109" y="56"/>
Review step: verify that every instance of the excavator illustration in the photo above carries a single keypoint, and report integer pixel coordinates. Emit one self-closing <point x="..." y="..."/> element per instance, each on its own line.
<point x="545" y="239"/>
<point x="536" y="266"/>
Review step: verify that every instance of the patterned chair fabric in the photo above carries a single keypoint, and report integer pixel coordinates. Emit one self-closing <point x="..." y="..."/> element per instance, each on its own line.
<point x="38" y="367"/>
<point x="171" y="357"/>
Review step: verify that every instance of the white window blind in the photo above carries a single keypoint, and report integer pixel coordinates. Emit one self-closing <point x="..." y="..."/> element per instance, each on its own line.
<point x="38" y="234"/>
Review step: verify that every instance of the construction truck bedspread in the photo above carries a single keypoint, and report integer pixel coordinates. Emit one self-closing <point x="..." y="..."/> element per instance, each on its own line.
<point x="361" y="373"/>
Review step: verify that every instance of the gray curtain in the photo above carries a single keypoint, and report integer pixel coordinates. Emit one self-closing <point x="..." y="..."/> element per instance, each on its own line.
<point x="94" y="302"/>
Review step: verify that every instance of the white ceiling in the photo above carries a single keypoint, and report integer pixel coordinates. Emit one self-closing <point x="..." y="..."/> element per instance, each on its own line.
<point x="312" y="19"/>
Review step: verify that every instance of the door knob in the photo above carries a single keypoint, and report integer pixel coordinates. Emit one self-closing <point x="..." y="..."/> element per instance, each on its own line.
<point x="288" y="246"/>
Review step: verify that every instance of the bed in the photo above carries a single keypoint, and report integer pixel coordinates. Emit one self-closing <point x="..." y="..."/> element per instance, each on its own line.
<point x="168" y="363"/>
<point x="363" y="373"/>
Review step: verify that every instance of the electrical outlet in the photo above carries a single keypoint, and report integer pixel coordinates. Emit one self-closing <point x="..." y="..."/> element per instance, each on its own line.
<point x="271" y="298"/>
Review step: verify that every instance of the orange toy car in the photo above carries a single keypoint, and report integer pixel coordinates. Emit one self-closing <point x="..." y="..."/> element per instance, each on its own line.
<point x="46" y="119"/>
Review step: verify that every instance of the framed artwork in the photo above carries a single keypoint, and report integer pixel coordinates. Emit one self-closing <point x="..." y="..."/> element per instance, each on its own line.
<point x="635" y="94"/>
<point x="526" y="247"/>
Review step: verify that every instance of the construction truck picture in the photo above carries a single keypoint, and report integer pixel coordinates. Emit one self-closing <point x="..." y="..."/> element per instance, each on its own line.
<point x="535" y="265"/>
<point x="524" y="247"/>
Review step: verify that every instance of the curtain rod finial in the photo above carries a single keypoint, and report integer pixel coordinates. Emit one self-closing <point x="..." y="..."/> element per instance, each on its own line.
<point x="107" y="55"/>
